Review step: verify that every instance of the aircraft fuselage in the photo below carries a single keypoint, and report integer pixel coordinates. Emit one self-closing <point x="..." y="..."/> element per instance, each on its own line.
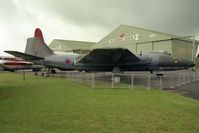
<point x="148" y="62"/>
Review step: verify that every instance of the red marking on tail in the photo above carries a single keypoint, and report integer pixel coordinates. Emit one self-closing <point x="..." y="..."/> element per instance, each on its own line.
<point x="122" y="35"/>
<point x="39" y="34"/>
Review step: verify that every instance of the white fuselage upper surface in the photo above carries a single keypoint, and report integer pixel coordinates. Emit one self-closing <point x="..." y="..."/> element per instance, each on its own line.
<point x="62" y="60"/>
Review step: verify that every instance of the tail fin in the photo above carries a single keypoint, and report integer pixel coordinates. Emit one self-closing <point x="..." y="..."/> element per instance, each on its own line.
<point x="39" y="34"/>
<point x="36" y="46"/>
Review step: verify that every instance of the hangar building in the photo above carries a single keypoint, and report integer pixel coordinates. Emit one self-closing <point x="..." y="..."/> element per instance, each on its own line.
<point x="136" y="40"/>
<point x="71" y="46"/>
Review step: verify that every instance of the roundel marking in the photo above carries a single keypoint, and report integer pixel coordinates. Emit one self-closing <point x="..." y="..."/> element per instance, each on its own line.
<point x="68" y="61"/>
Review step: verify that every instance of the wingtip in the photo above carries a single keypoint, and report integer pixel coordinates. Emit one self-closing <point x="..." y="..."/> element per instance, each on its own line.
<point x="6" y="51"/>
<point x="9" y="51"/>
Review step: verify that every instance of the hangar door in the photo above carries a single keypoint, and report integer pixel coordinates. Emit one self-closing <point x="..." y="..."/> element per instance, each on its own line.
<point x="162" y="46"/>
<point x="182" y="49"/>
<point x="144" y="47"/>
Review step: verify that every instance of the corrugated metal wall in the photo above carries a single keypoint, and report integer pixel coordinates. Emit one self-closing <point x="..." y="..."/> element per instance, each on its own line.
<point x="162" y="45"/>
<point x="185" y="49"/>
<point x="144" y="47"/>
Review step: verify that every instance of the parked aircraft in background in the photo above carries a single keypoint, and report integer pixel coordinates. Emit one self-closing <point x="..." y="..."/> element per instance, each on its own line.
<point x="100" y="59"/>
<point x="13" y="64"/>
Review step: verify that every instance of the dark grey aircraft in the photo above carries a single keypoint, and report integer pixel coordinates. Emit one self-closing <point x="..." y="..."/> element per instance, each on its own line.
<point x="100" y="59"/>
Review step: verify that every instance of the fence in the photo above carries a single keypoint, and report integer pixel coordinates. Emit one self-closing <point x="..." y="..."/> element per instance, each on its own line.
<point x="131" y="79"/>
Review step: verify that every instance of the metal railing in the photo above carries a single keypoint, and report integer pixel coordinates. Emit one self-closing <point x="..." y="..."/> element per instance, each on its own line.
<point x="132" y="79"/>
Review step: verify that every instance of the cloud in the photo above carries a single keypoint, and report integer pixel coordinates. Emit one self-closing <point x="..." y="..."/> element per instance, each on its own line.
<point x="92" y="19"/>
<point x="176" y="17"/>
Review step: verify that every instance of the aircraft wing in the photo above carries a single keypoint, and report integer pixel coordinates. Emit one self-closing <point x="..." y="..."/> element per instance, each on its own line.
<point x="24" y="56"/>
<point x="109" y="56"/>
<point x="4" y="67"/>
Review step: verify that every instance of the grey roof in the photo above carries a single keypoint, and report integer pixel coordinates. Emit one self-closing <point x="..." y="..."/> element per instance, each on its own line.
<point x="126" y="36"/>
<point x="70" y="45"/>
<point x="170" y="36"/>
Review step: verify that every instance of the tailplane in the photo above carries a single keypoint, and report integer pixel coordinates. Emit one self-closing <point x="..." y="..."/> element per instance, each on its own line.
<point x="36" y="46"/>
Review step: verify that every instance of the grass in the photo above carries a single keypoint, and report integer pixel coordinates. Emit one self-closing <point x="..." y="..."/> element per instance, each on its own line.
<point x="40" y="105"/>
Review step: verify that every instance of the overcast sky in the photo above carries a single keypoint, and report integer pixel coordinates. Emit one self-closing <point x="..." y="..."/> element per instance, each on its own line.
<point x="91" y="20"/>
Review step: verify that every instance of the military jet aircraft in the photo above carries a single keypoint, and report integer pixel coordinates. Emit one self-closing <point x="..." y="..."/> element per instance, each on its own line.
<point x="101" y="59"/>
<point x="12" y="64"/>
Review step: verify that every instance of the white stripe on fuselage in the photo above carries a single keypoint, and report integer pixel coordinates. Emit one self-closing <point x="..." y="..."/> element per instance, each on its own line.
<point x="65" y="53"/>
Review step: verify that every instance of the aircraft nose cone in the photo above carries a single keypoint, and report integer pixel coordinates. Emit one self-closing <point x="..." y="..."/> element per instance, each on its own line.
<point x="190" y="63"/>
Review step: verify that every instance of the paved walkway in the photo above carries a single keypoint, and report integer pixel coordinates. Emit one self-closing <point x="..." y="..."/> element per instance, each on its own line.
<point x="189" y="90"/>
